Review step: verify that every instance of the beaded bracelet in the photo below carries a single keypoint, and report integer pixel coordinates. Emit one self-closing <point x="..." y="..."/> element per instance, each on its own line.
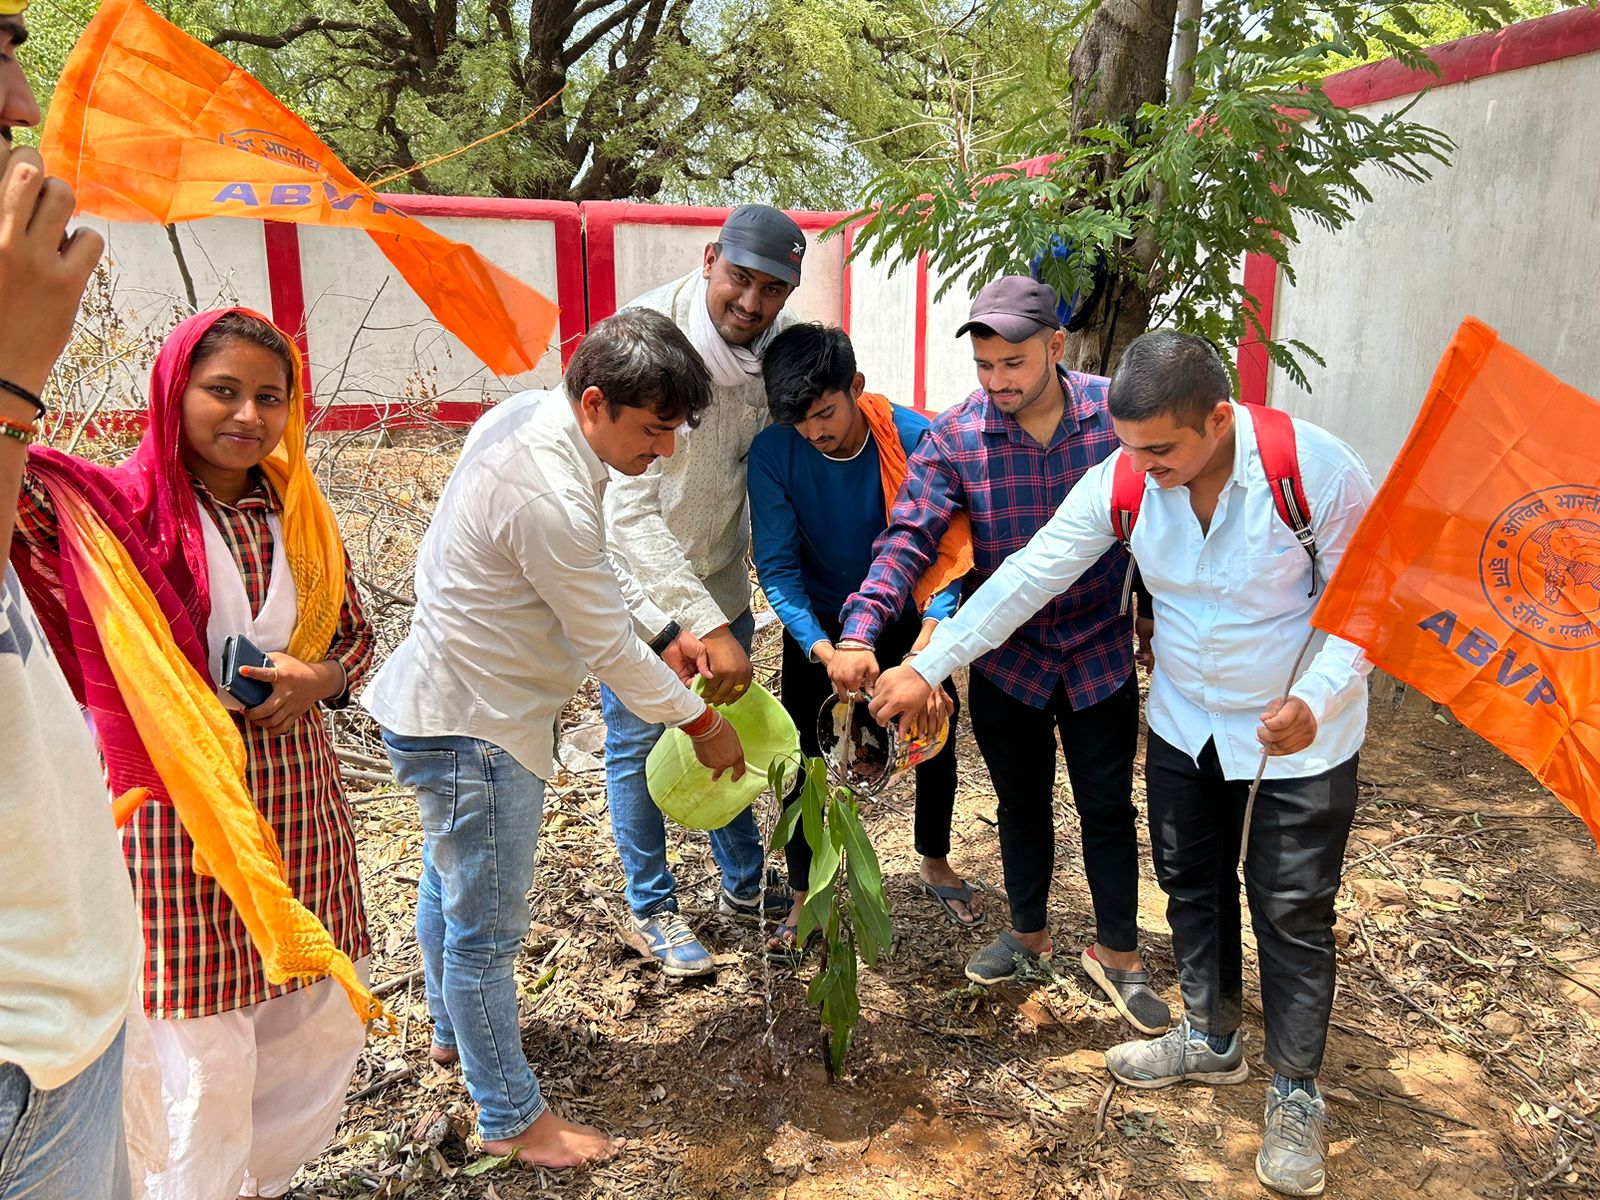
<point x="22" y="393"/>
<point x="17" y="430"/>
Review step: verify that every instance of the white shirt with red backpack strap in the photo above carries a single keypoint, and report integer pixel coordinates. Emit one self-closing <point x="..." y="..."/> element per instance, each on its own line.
<point x="1232" y="603"/>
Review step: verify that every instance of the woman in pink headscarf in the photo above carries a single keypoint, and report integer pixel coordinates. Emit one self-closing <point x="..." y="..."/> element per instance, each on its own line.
<point x="221" y="519"/>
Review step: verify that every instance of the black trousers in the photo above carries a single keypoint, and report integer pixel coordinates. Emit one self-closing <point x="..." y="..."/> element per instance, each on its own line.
<point x="1018" y="744"/>
<point x="804" y="688"/>
<point x="1297" y="843"/>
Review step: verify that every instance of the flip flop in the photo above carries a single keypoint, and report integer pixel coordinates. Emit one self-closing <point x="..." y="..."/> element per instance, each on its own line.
<point x="945" y="893"/>
<point x="782" y="946"/>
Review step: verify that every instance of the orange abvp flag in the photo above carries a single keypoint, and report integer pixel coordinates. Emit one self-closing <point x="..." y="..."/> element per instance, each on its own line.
<point x="147" y="124"/>
<point x="1475" y="577"/>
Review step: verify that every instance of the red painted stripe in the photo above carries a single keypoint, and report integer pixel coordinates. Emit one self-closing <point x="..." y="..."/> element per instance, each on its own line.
<point x="600" y="257"/>
<point x="479" y="207"/>
<point x="341" y="418"/>
<point x="844" y="298"/>
<point x="1564" y="34"/>
<point x="919" y="340"/>
<point x="287" y="289"/>
<point x="627" y="212"/>
<point x="570" y="292"/>
<point x="1261" y="285"/>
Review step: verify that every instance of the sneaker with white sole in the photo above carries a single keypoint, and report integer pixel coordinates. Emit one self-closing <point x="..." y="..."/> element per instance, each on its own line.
<point x="1293" y="1146"/>
<point x="1182" y="1056"/>
<point x="674" y="944"/>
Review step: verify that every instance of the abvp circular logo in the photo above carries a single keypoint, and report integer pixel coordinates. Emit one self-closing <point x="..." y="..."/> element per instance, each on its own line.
<point x="1540" y="566"/>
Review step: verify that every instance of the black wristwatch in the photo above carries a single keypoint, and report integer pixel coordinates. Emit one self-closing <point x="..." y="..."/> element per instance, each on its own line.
<point x="665" y="638"/>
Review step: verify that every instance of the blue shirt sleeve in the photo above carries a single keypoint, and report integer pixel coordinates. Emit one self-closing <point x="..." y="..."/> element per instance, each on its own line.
<point x="775" y="540"/>
<point x="943" y="606"/>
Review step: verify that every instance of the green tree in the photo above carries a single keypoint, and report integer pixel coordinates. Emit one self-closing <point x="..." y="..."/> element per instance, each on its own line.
<point x="708" y="101"/>
<point x="1165" y="181"/>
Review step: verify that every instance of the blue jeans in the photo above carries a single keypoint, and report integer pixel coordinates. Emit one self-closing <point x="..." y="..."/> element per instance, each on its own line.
<point x="640" y="830"/>
<point x="481" y="811"/>
<point x="67" y="1143"/>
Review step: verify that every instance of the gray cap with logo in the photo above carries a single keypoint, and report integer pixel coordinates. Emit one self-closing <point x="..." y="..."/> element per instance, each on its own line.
<point x="1014" y="306"/>
<point x="761" y="238"/>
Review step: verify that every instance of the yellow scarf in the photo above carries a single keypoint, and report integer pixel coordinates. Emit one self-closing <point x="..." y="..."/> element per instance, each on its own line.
<point x="311" y="540"/>
<point x="200" y="757"/>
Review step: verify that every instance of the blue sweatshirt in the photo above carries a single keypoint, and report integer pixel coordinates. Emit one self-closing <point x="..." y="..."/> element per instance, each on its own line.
<point x="813" y="522"/>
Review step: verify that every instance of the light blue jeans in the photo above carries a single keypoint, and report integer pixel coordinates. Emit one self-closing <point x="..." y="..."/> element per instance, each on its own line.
<point x="481" y="811"/>
<point x="637" y="824"/>
<point x="67" y="1143"/>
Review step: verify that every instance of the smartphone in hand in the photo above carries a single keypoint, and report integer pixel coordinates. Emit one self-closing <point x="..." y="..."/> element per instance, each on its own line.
<point x="239" y="651"/>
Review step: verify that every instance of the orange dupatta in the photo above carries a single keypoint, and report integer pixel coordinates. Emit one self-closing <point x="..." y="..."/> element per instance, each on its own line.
<point x="955" y="547"/>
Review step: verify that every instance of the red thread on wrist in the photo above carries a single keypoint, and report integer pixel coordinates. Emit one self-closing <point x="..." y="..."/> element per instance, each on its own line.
<point x="702" y="724"/>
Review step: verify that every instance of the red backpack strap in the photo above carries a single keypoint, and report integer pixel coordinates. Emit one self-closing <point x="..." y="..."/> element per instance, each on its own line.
<point x="1275" y="442"/>
<point x="1127" y="493"/>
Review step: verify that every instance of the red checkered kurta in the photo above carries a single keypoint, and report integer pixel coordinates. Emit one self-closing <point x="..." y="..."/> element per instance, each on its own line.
<point x="199" y="958"/>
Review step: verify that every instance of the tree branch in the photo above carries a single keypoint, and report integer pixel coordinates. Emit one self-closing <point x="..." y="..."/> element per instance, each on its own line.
<point x="277" y="41"/>
<point x="571" y="54"/>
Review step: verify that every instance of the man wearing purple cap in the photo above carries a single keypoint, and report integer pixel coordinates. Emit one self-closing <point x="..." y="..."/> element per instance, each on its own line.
<point x="684" y="528"/>
<point x="1008" y="456"/>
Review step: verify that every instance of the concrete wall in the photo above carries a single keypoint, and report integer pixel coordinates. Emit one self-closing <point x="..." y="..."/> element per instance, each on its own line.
<point x="397" y="349"/>
<point x="1507" y="233"/>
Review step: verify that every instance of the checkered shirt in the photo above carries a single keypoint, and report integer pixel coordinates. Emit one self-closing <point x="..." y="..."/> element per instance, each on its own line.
<point x="979" y="459"/>
<point x="198" y="956"/>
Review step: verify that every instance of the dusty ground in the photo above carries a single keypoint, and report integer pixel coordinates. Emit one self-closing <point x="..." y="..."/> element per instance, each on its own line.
<point x="1464" y="1059"/>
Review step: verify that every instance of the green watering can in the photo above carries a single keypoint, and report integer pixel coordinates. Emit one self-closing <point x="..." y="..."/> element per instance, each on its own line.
<point x="683" y="789"/>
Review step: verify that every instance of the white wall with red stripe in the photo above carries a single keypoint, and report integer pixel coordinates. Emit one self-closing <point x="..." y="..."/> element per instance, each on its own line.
<point x="1509" y="233"/>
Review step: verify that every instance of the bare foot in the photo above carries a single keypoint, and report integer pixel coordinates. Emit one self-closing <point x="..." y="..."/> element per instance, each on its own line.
<point x="555" y="1143"/>
<point x="938" y="872"/>
<point x="445" y="1056"/>
<point x="1039" y="942"/>
<point x="1117" y="960"/>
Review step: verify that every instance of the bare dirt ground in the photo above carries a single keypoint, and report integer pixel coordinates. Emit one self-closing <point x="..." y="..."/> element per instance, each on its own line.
<point x="1464" y="1057"/>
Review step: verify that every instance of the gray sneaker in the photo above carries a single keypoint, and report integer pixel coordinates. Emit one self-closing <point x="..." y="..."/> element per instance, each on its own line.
<point x="1292" y="1149"/>
<point x="1181" y="1056"/>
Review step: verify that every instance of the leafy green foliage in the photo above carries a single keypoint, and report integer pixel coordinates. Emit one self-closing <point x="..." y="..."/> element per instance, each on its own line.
<point x="1173" y="193"/>
<point x="844" y="895"/>
<point x="694" y="101"/>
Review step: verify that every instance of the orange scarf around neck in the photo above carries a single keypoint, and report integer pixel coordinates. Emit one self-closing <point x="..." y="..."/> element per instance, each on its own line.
<point x="955" y="547"/>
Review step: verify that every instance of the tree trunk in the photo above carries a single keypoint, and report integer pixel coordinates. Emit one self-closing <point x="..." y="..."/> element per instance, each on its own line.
<point x="1119" y="63"/>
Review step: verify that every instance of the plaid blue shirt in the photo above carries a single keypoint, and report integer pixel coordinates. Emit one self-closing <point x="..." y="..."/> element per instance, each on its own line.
<point x="979" y="459"/>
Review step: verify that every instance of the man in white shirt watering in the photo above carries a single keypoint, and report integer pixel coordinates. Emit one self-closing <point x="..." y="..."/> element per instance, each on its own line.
<point x="683" y="527"/>
<point x="518" y="599"/>
<point x="1233" y="592"/>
